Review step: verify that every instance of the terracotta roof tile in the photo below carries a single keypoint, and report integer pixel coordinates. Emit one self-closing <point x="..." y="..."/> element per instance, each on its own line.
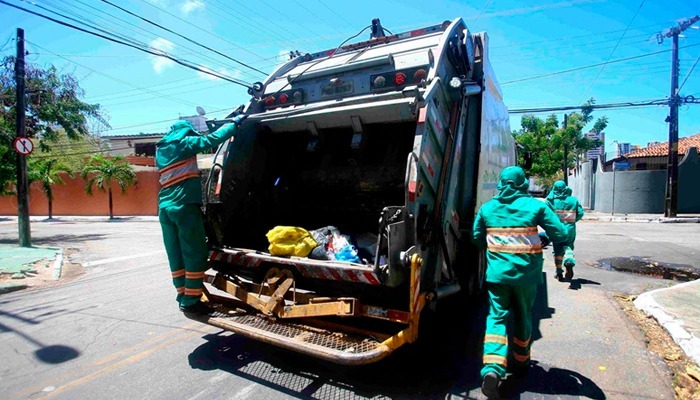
<point x="662" y="149"/>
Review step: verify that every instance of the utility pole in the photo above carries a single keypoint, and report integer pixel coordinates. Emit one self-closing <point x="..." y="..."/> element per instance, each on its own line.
<point x="671" y="202"/>
<point x="566" y="150"/>
<point x="25" y="236"/>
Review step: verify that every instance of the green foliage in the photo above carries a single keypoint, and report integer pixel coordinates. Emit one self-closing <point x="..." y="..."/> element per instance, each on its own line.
<point x="48" y="172"/>
<point x="547" y="138"/>
<point x="53" y="106"/>
<point x="101" y="171"/>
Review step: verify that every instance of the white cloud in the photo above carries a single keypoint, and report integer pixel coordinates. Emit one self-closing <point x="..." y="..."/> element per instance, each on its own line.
<point x="161" y="63"/>
<point x="190" y="5"/>
<point x="235" y="74"/>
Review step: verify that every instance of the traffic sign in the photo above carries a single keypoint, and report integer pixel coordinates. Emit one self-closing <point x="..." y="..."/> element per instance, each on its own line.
<point x="23" y="146"/>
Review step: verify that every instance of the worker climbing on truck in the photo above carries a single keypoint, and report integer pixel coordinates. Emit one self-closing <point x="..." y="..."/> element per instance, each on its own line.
<point x="569" y="210"/>
<point x="507" y="227"/>
<point x="179" y="207"/>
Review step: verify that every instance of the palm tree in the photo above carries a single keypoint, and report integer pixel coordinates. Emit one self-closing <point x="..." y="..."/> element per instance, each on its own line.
<point x="48" y="172"/>
<point x="101" y="171"/>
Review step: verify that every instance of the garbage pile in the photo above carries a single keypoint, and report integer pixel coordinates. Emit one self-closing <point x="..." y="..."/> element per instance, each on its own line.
<point x="326" y="243"/>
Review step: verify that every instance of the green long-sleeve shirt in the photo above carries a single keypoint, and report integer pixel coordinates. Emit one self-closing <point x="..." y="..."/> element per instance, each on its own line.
<point x="514" y="258"/>
<point x="560" y="200"/>
<point x="180" y="143"/>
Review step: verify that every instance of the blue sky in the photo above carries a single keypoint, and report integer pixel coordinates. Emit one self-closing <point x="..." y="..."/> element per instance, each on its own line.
<point x="528" y="39"/>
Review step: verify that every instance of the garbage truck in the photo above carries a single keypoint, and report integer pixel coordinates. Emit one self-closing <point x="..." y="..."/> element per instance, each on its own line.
<point x="391" y="145"/>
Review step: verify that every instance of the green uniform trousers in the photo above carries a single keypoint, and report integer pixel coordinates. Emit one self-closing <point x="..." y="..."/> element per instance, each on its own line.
<point x="563" y="251"/>
<point x="503" y="300"/>
<point x="185" y="244"/>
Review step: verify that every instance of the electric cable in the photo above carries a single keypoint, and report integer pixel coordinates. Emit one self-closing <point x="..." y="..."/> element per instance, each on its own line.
<point x="154" y="52"/>
<point x="148" y="21"/>
<point x="613" y="50"/>
<point x="590" y="66"/>
<point x="689" y="72"/>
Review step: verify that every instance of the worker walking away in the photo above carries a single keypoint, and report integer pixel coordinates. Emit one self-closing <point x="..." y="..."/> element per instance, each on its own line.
<point x="507" y="227"/>
<point x="569" y="210"/>
<point x="179" y="207"/>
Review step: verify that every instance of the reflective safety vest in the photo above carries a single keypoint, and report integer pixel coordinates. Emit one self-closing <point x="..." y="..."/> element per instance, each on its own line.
<point x="178" y="172"/>
<point x="566" y="215"/>
<point x="513" y="240"/>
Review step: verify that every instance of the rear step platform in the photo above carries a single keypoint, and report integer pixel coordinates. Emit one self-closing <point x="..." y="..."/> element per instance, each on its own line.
<point x="336" y="347"/>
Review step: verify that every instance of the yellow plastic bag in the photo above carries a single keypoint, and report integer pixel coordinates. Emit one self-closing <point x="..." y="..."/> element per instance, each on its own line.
<point x="290" y="241"/>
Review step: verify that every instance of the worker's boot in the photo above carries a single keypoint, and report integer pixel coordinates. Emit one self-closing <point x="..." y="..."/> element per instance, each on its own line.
<point x="558" y="274"/>
<point x="489" y="386"/>
<point x="198" y="308"/>
<point x="569" y="263"/>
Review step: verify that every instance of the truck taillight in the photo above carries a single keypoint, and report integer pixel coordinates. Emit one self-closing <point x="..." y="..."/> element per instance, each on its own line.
<point x="286" y="98"/>
<point x="397" y="79"/>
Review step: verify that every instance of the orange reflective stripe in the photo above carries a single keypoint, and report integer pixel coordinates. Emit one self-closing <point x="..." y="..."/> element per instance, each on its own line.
<point x="521" y="343"/>
<point x="491" y="338"/>
<point x="181" y="290"/>
<point x="558" y="257"/>
<point x="178" y="172"/>
<point x="495" y="359"/>
<point x="194" y="275"/>
<point x="520" y="358"/>
<point x="193" y="292"/>
<point x="566" y="215"/>
<point x="178" y="273"/>
<point x="513" y="240"/>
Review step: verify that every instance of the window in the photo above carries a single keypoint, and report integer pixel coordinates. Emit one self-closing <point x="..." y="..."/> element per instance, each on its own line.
<point x="145" y="149"/>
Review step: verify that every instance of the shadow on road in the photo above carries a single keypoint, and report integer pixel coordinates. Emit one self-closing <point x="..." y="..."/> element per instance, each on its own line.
<point x="552" y="381"/>
<point x="59" y="239"/>
<point x="575" y="284"/>
<point x="541" y="310"/>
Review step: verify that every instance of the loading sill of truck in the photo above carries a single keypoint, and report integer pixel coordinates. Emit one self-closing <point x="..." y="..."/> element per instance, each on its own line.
<point x="275" y="312"/>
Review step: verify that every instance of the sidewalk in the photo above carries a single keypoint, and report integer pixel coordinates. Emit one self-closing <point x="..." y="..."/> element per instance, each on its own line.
<point x="676" y="309"/>
<point x="12" y="219"/>
<point x="19" y="264"/>
<point x="592" y="215"/>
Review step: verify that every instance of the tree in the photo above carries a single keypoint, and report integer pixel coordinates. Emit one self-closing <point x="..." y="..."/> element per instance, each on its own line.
<point x="547" y="141"/>
<point x="53" y="105"/>
<point x="47" y="171"/>
<point x="102" y="171"/>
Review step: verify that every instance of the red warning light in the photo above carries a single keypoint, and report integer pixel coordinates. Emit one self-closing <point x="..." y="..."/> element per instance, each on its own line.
<point x="419" y="75"/>
<point x="283" y="98"/>
<point x="269" y="100"/>
<point x="400" y="78"/>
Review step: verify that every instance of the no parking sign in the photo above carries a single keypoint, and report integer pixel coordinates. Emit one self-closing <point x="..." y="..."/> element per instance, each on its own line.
<point x="23" y="146"/>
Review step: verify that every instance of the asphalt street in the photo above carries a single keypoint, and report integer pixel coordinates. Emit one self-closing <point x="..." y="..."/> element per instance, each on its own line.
<point x="116" y="332"/>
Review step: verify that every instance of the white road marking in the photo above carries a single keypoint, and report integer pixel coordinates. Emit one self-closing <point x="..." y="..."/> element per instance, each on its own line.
<point x="115" y="259"/>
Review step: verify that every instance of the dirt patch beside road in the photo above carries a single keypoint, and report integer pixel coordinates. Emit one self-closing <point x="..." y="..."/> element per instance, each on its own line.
<point x="686" y="375"/>
<point x="44" y="273"/>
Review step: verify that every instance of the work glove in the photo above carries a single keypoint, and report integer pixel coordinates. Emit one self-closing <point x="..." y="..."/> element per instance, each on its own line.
<point x="239" y="118"/>
<point x="544" y="239"/>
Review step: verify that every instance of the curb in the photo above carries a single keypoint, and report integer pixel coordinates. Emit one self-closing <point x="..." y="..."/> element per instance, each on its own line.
<point x="659" y="220"/>
<point x="12" y="287"/>
<point x="689" y="343"/>
<point x="58" y="264"/>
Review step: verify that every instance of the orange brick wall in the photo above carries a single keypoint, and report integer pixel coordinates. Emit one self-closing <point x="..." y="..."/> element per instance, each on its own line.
<point x="70" y="199"/>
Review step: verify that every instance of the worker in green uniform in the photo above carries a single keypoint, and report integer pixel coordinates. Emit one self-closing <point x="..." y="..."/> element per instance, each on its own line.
<point x="506" y="226"/>
<point x="179" y="207"/>
<point x="569" y="210"/>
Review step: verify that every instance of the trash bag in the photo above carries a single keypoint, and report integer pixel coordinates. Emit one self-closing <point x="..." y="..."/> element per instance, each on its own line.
<point x="324" y="237"/>
<point x="290" y="241"/>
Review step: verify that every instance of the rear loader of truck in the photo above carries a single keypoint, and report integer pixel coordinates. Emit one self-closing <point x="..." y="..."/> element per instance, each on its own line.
<point x="395" y="142"/>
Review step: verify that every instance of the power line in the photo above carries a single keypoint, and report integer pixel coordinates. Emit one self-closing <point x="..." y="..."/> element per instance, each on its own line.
<point x="81" y="153"/>
<point x="689" y="72"/>
<point x="119" y="128"/>
<point x="334" y="12"/>
<point x="634" y="104"/>
<point x="589" y="66"/>
<point x="315" y="15"/>
<point x="613" y="50"/>
<point x="148" y="21"/>
<point x="158" y="53"/>
<point x="488" y="2"/>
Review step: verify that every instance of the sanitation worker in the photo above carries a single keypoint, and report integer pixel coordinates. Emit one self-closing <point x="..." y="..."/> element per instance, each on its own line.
<point x="507" y="227"/>
<point x="179" y="207"/>
<point x="569" y="210"/>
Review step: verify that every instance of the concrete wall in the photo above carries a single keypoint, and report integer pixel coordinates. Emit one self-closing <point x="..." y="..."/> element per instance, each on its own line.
<point x="637" y="191"/>
<point x="70" y="199"/>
